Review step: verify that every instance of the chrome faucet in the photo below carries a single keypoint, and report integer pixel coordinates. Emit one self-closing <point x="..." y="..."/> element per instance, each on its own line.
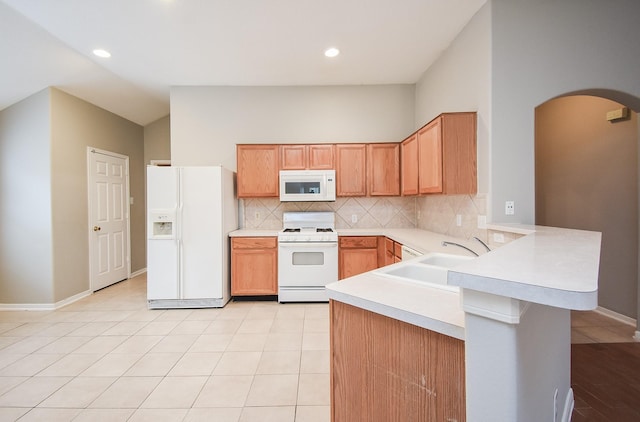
<point x="445" y="243"/>
<point x="483" y="244"/>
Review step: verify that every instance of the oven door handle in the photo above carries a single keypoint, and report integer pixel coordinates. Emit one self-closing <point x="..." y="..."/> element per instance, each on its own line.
<point x="307" y="245"/>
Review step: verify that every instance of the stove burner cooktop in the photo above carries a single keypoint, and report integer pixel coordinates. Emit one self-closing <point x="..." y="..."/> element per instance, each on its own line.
<point x="317" y="230"/>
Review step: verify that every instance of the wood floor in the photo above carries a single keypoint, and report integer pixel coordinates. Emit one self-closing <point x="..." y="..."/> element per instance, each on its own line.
<point x="605" y="378"/>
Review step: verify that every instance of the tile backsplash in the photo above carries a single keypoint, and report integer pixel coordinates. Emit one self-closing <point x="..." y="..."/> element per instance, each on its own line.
<point x="438" y="213"/>
<point x="373" y="212"/>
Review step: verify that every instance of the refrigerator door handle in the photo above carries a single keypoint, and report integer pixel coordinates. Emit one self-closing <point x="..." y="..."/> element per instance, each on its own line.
<point x="179" y="286"/>
<point x="180" y="270"/>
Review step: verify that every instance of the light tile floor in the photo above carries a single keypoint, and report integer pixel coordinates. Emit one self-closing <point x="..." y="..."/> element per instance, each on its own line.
<point x="108" y="358"/>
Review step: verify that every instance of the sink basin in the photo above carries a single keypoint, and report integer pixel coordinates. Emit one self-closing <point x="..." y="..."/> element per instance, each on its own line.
<point x="420" y="273"/>
<point x="443" y="259"/>
<point x="430" y="270"/>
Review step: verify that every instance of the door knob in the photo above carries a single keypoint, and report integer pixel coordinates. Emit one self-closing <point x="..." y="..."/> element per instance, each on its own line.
<point x="96" y="228"/>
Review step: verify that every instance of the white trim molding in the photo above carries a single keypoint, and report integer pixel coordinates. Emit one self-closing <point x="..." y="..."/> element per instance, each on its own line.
<point x="43" y="306"/>
<point x="137" y="273"/>
<point x="619" y="317"/>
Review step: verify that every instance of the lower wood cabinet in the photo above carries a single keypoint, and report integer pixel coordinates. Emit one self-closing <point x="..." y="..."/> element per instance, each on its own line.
<point x="254" y="266"/>
<point x="392" y="251"/>
<point x="385" y="370"/>
<point x="357" y="254"/>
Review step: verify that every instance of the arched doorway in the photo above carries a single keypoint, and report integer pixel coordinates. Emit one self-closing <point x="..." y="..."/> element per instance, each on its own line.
<point x="587" y="178"/>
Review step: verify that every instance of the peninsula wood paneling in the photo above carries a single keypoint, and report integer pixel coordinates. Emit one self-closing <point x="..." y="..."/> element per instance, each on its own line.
<point x="387" y="370"/>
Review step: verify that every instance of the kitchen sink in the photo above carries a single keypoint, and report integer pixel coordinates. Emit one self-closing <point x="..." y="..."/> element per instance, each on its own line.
<point x="443" y="259"/>
<point x="430" y="270"/>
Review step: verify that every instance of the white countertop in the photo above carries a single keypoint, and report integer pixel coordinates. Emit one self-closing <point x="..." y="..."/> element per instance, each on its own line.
<point x="420" y="240"/>
<point x="431" y="308"/>
<point x="551" y="266"/>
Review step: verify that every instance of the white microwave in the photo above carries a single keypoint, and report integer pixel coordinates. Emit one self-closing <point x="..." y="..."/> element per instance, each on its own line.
<point x="307" y="185"/>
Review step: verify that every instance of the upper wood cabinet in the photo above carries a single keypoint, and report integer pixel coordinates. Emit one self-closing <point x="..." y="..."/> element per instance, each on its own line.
<point x="293" y="157"/>
<point x="447" y="155"/>
<point x="351" y="167"/>
<point x="409" y="160"/>
<point x="430" y="158"/>
<point x="383" y="169"/>
<point x="258" y="170"/>
<point x="307" y="157"/>
<point x="321" y="157"/>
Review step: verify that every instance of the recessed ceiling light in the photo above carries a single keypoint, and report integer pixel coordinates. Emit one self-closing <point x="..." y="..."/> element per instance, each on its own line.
<point x="331" y="52"/>
<point x="101" y="53"/>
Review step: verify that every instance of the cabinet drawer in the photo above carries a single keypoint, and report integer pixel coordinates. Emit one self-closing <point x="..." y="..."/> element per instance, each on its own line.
<point x="253" y="242"/>
<point x="359" y="242"/>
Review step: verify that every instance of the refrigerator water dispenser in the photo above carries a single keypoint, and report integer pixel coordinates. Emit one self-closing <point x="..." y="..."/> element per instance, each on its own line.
<point x="162" y="224"/>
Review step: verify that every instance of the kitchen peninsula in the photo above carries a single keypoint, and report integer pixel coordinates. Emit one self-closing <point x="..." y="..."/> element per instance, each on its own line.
<point x="499" y="349"/>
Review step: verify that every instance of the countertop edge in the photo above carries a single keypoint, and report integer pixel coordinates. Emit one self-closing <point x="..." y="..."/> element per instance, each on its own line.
<point x="346" y="291"/>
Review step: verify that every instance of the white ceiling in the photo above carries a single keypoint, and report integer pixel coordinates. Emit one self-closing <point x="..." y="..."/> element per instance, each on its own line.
<point x="156" y="44"/>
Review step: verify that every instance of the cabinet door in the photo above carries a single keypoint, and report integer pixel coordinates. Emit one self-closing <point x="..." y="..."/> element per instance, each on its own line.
<point x="409" y="165"/>
<point x="430" y="158"/>
<point x="293" y="157"/>
<point x="351" y="170"/>
<point x="254" y="267"/>
<point x="357" y="261"/>
<point x="320" y="157"/>
<point x="459" y="153"/>
<point x="258" y="171"/>
<point x="389" y="257"/>
<point x="383" y="169"/>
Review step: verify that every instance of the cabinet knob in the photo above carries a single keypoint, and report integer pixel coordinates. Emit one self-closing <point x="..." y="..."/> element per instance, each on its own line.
<point x="96" y="228"/>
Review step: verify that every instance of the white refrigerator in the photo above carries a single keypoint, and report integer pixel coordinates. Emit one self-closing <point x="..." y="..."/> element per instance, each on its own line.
<point x="190" y="213"/>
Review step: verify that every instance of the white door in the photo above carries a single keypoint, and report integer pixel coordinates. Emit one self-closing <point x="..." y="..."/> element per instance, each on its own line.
<point x="108" y="175"/>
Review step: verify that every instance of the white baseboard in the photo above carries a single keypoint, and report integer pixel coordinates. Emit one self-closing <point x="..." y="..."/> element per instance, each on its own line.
<point x="619" y="317"/>
<point x="137" y="273"/>
<point x="57" y="305"/>
<point x="43" y="306"/>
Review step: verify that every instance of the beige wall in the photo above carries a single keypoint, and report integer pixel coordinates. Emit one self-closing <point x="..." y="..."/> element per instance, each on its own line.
<point x="207" y="122"/>
<point x="43" y="191"/>
<point x="26" y="254"/>
<point x="586" y="178"/>
<point x="77" y="125"/>
<point x="157" y="140"/>
<point x="542" y="50"/>
<point x="460" y="80"/>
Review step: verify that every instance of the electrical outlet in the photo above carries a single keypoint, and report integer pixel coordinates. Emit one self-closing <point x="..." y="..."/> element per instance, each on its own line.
<point x="257" y="215"/>
<point x="509" y="208"/>
<point x="354" y="218"/>
<point x="458" y="220"/>
<point x="498" y="237"/>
